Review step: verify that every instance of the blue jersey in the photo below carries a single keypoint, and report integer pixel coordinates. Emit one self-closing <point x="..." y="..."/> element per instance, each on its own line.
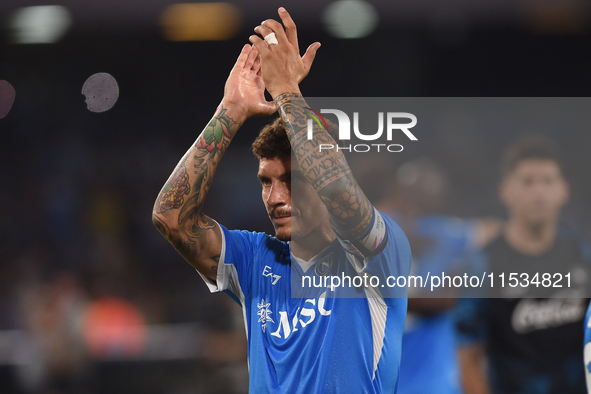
<point x="320" y="343"/>
<point x="429" y="356"/>
<point x="587" y="350"/>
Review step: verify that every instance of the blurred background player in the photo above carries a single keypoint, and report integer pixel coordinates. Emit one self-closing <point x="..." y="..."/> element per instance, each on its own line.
<point x="414" y="197"/>
<point x="532" y="344"/>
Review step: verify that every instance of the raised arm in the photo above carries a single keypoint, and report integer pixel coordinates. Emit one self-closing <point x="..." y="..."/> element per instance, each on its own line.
<point x="177" y="211"/>
<point x="352" y="216"/>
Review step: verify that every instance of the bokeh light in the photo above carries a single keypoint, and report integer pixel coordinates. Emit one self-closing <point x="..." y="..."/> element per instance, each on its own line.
<point x="350" y="18"/>
<point x="40" y="24"/>
<point x="200" y="22"/>
<point x="114" y="327"/>
<point x="101" y="91"/>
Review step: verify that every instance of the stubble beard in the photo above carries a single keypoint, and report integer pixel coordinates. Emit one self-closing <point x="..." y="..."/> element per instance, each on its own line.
<point x="283" y="235"/>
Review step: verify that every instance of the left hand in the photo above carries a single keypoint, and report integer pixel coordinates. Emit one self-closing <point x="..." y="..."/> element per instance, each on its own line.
<point x="282" y="67"/>
<point x="245" y="90"/>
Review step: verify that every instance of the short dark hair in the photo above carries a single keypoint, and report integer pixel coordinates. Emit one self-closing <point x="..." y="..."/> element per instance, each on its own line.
<point x="529" y="147"/>
<point x="272" y="140"/>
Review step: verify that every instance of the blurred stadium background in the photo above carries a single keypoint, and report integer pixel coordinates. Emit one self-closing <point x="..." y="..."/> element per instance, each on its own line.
<point x="92" y="298"/>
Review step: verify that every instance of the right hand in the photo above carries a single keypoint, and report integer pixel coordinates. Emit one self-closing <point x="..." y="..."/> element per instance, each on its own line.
<point x="245" y="89"/>
<point x="283" y="68"/>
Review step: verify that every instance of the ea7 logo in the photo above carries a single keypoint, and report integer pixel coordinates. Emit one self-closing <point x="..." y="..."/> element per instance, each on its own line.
<point x="267" y="272"/>
<point x="345" y="124"/>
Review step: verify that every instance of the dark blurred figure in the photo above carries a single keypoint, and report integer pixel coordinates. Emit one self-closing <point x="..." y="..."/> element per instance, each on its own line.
<point x="54" y="357"/>
<point x="533" y="345"/>
<point x="439" y="243"/>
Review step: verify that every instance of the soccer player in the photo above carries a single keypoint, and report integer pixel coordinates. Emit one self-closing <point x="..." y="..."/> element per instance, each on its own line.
<point x="532" y="344"/>
<point x="440" y="244"/>
<point x="323" y="343"/>
<point x="587" y="351"/>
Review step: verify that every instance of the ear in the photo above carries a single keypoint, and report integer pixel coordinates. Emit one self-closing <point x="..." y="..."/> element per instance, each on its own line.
<point x="566" y="188"/>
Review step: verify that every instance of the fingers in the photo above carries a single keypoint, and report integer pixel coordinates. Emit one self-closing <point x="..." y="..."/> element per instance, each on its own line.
<point x="253" y="54"/>
<point x="260" y="44"/>
<point x="263" y="30"/>
<point x="277" y="28"/>
<point x="290" y="27"/>
<point x="256" y="67"/>
<point x="310" y="54"/>
<point x="243" y="56"/>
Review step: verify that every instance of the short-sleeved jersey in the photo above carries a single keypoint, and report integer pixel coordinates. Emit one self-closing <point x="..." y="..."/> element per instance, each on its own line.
<point x="429" y="356"/>
<point x="587" y="349"/>
<point x="533" y="344"/>
<point x="322" y="343"/>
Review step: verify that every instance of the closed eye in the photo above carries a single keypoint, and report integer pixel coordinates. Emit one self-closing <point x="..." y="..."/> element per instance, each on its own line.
<point x="264" y="180"/>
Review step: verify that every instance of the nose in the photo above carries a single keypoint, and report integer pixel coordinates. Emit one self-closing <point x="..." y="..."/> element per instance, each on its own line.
<point x="278" y="194"/>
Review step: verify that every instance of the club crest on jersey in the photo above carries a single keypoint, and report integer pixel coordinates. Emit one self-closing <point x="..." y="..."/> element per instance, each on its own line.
<point x="323" y="266"/>
<point x="264" y="313"/>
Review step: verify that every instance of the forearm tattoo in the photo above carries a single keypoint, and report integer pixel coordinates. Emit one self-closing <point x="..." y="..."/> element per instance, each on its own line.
<point x="174" y="191"/>
<point x="186" y="189"/>
<point x="350" y="211"/>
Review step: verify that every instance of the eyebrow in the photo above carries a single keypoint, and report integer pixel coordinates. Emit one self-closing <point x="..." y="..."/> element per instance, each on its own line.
<point x="283" y="177"/>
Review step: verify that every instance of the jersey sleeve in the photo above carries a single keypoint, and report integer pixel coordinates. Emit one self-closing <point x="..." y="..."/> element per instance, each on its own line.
<point x="445" y="244"/>
<point x="391" y="260"/>
<point x="372" y="242"/>
<point x="234" y="273"/>
<point x="471" y="320"/>
<point x="394" y="258"/>
<point x="461" y="234"/>
<point x="471" y="314"/>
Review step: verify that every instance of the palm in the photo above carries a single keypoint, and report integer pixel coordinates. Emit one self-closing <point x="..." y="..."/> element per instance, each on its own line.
<point x="245" y="87"/>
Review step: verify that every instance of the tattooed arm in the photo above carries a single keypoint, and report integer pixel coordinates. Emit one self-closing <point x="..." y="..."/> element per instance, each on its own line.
<point x="352" y="216"/>
<point x="177" y="211"/>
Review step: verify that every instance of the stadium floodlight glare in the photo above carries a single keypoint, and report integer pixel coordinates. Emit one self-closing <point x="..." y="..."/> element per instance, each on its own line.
<point x="200" y="22"/>
<point x="45" y="24"/>
<point x="350" y="18"/>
